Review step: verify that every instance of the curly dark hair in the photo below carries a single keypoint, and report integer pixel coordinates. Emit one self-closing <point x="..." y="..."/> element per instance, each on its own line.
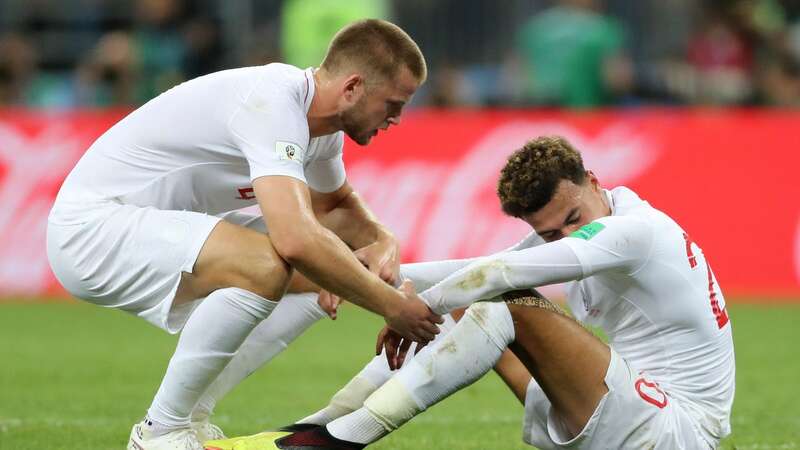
<point x="532" y="173"/>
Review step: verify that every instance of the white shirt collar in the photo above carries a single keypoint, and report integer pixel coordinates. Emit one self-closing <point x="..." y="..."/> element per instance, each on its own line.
<point x="610" y="200"/>
<point x="309" y="89"/>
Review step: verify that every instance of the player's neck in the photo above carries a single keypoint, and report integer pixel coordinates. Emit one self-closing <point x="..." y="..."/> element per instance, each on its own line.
<point x="323" y="114"/>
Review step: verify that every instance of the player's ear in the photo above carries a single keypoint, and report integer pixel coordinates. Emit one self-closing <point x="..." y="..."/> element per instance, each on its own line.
<point x="592" y="179"/>
<point x="353" y="88"/>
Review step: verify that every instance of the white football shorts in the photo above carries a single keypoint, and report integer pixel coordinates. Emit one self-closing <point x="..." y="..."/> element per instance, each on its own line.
<point x="635" y="413"/>
<point x="131" y="258"/>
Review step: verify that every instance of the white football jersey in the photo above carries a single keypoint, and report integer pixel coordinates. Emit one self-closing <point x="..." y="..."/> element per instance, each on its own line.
<point x="198" y="146"/>
<point x="642" y="280"/>
<point x="666" y="315"/>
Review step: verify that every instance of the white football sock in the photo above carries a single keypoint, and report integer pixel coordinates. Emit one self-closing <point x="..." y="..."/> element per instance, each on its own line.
<point x="294" y="314"/>
<point x="351" y="397"/>
<point x="468" y="351"/>
<point x="211" y="337"/>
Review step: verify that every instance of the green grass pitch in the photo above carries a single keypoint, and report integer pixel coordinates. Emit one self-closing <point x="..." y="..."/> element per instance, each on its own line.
<point x="75" y="376"/>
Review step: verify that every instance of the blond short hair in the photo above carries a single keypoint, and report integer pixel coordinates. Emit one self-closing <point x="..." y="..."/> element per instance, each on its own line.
<point x="376" y="47"/>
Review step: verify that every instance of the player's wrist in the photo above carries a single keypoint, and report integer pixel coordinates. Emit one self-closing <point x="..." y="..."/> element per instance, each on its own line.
<point x="433" y="299"/>
<point x="394" y="306"/>
<point x="379" y="297"/>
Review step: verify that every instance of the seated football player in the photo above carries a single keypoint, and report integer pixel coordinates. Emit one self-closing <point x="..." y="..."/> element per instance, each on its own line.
<point x="291" y="319"/>
<point x="664" y="380"/>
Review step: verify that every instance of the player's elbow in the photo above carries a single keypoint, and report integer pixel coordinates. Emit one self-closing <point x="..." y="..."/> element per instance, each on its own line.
<point x="293" y="245"/>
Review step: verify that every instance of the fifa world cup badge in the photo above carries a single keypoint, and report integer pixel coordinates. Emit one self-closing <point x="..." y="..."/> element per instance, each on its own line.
<point x="289" y="151"/>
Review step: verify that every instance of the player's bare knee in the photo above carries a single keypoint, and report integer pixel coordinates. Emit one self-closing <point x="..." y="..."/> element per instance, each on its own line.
<point x="262" y="272"/>
<point x="524" y="315"/>
<point x="270" y="278"/>
<point x="518" y="317"/>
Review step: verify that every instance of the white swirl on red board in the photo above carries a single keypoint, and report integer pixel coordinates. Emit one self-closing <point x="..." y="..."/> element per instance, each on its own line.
<point x="451" y="210"/>
<point x="29" y="164"/>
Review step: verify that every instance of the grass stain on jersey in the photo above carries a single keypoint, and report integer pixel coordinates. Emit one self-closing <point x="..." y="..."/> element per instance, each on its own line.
<point x="476" y="277"/>
<point x="448" y="347"/>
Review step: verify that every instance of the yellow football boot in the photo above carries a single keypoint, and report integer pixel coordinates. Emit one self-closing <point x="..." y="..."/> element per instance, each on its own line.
<point x="260" y="441"/>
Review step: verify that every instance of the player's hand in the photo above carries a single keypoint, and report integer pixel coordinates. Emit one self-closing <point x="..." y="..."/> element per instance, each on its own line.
<point x="412" y="319"/>
<point x="382" y="258"/>
<point x="396" y="347"/>
<point x="329" y="303"/>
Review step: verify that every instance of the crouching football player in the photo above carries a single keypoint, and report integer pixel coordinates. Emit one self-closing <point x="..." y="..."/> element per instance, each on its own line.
<point x="666" y="378"/>
<point x="149" y="220"/>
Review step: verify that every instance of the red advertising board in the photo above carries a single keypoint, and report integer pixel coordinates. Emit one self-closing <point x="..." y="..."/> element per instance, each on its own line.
<point x="726" y="176"/>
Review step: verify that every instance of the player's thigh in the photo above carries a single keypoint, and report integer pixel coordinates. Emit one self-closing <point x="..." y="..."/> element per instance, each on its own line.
<point x="567" y="361"/>
<point x="634" y="413"/>
<point x="255" y="222"/>
<point x="234" y="255"/>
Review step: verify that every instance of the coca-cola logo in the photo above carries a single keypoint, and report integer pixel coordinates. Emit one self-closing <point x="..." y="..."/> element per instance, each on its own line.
<point x="437" y="208"/>
<point x="451" y="210"/>
<point x="31" y="169"/>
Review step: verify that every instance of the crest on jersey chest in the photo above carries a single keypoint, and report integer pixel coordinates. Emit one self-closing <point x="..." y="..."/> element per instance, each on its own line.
<point x="586" y="295"/>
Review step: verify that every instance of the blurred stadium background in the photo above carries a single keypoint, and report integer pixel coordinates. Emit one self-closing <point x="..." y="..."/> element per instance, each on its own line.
<point x="692" y="103"/>
<point x="585" y="53"/>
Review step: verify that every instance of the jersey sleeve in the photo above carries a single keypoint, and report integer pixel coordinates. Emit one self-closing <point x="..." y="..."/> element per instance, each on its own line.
<point x="610" y="243"/>
<point x="426" y="274"/>
<point x="271" y="129"/>
<point x="326" y="173"/>
<point x="488" y="277"/>
<point x="530" y="240"/>
<point x="621" y="243"/>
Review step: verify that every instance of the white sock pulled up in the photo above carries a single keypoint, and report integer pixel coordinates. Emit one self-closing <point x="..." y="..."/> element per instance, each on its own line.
<point x="294" y="315"/>
<point x="352" y="396"/>
<point x="211" y="337"/>
<point x="465" y="354"/>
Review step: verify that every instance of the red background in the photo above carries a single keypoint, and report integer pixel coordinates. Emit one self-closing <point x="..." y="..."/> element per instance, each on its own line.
<point x="726" y="176"/>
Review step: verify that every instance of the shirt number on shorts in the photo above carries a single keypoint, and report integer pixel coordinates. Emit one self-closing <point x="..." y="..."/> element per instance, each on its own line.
<point x="720" y="314"/>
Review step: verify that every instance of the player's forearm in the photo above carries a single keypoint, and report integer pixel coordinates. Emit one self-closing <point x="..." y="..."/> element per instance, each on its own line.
<point x="491" y="276"/>
<point x="353" y="222"/>
<point x="326" y="261"/>
<point x="300" y="283"/>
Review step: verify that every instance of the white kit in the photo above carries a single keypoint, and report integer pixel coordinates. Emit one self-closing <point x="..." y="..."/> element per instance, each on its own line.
<point x="161" y="179"/>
